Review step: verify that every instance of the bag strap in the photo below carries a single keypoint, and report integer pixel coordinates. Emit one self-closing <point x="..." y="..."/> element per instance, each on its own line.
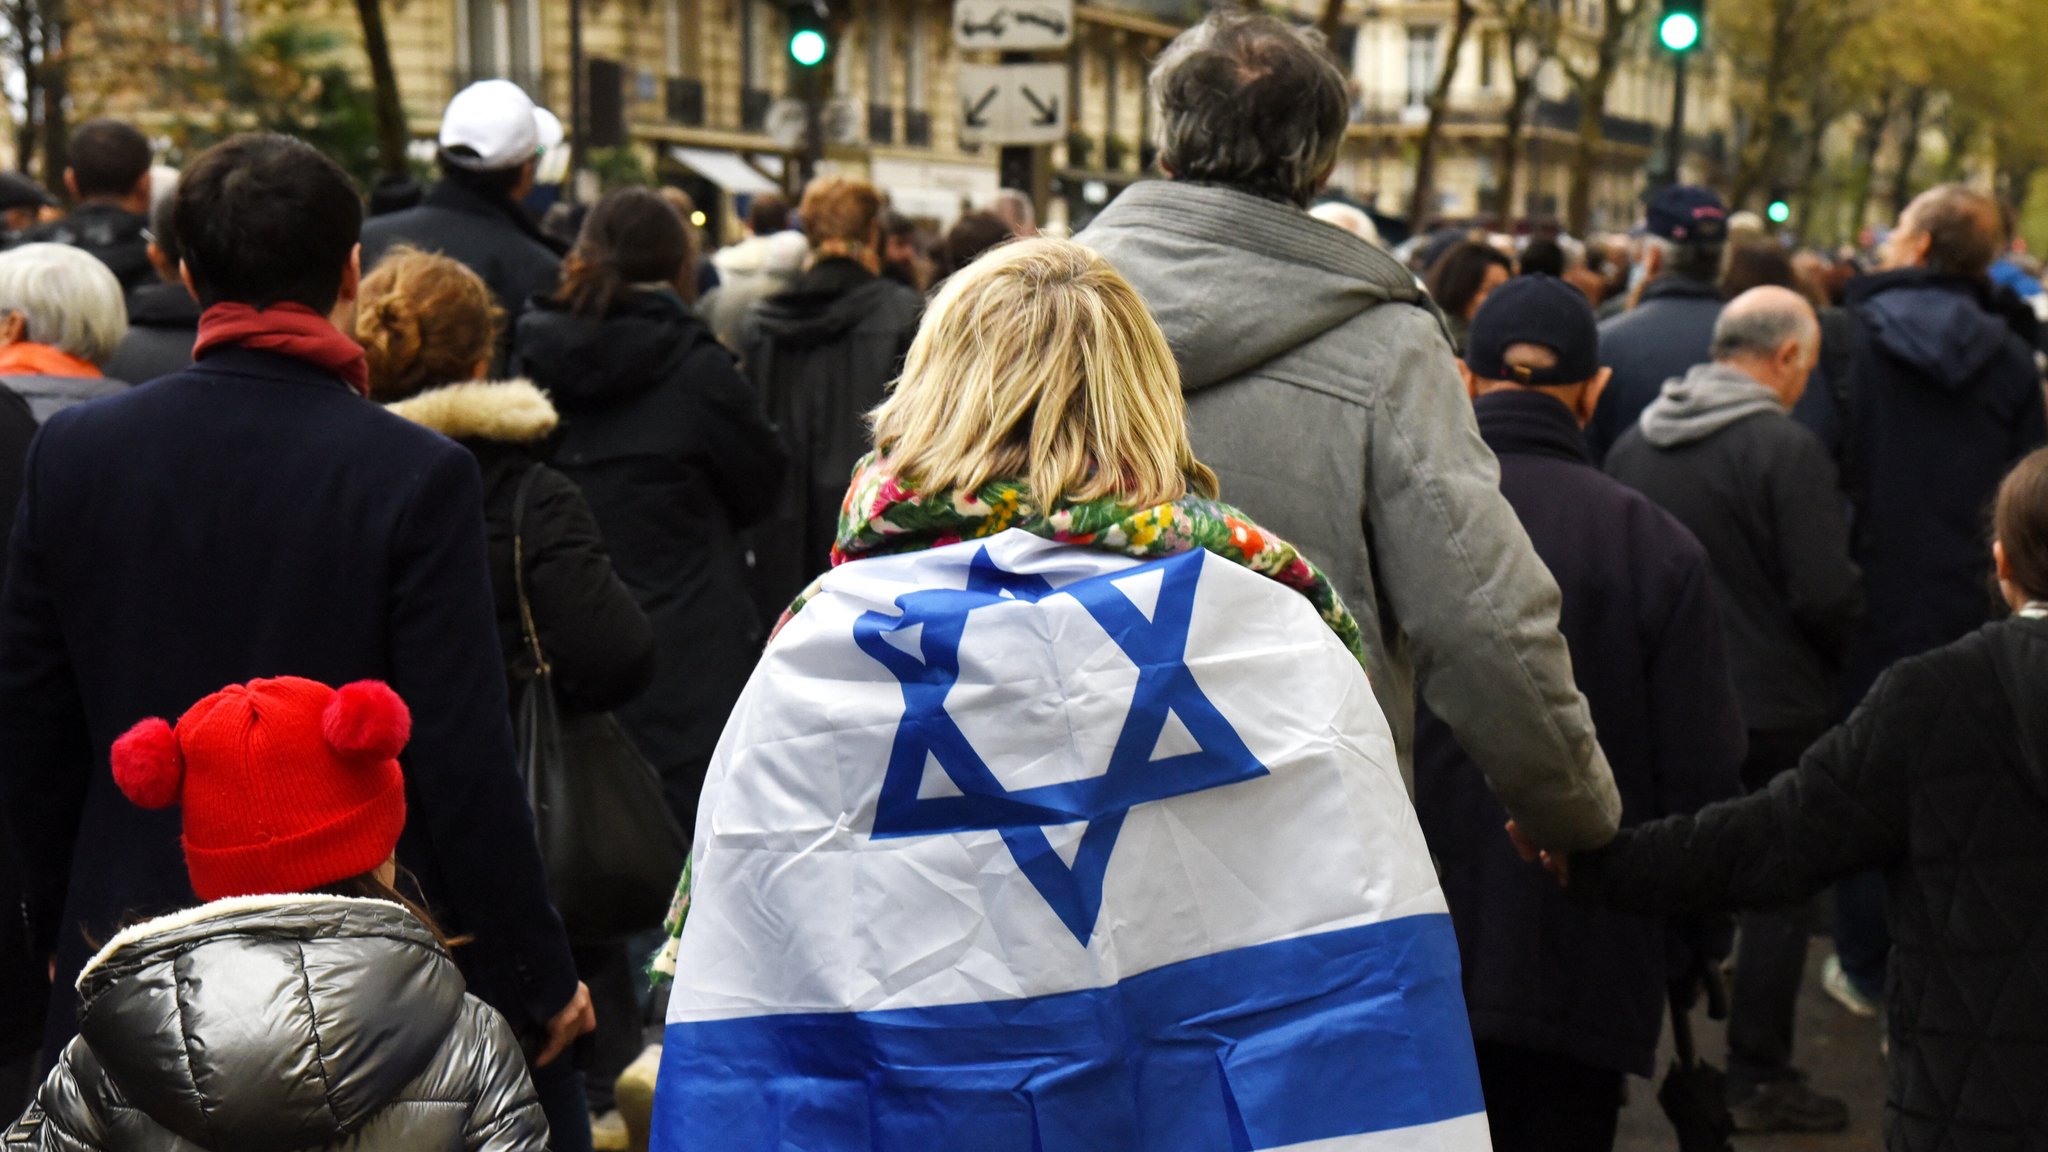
<point x="532" y="634"/>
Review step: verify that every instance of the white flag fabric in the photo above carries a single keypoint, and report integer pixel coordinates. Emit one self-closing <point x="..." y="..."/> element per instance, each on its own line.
<point x="1017" y="846"/>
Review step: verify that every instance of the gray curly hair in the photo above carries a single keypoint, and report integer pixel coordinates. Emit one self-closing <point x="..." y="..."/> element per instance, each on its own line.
<point x="1251" y="103"/>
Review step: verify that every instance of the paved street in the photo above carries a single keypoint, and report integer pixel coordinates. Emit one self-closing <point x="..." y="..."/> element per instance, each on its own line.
<point x="1838" y="1050"/>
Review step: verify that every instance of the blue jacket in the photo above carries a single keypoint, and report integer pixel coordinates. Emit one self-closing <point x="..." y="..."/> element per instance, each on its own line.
<point x="1944" y="399"/>
<point x="1540" y="970"/>
<point x="1661" y="338"/>
<point x="251" y="516"/>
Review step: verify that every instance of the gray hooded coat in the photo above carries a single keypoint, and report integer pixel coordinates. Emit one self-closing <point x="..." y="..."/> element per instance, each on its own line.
<point x="283" y="1023"/>
<point x="1342" y="426"/>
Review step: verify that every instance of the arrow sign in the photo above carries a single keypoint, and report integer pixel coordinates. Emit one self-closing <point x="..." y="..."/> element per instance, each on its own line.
<point x="1048" y="110"/>
<point x="1013" y="103"/>
<point x="1013" y="25"/>
<point x="977" y="110"/>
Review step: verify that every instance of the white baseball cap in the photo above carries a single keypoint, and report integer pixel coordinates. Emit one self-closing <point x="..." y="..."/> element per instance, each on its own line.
<point x="494" y="125"/>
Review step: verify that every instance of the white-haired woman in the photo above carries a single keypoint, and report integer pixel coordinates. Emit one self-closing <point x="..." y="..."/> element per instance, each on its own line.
<point x="61" y="316"/>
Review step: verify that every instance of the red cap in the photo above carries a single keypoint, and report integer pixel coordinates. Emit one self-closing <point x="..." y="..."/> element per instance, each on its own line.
<point x="287" y="784"/>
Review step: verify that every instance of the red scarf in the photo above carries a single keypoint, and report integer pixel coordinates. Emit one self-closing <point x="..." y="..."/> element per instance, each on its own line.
<point x="293" y="329"/>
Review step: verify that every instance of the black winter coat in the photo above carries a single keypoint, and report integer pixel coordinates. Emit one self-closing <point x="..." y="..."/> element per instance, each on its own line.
<point x="823" y="355"/>
<point x="592" y="631"/>
<point x="109" y="232"/>
<point x="1668" y="331"/>
<point x="494" y="239"/>
<point x="1940" y="778"/>
<point x="1944" y="400"/>
<point x="1638" y="613"/>
<point x="302" y="1023"/>
<point x="163" y="324"/>
<point x="252" y="516"/>
<point x="24" y="987"/>
<point x="669" y="445"/>
<point x="1761" y="495"/>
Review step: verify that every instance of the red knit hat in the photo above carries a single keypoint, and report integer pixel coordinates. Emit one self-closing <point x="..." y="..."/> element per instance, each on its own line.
<point x="287" y="784"/>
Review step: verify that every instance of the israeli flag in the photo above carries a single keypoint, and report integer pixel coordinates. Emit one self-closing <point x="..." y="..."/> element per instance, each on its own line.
<point x="1014" y="846"/>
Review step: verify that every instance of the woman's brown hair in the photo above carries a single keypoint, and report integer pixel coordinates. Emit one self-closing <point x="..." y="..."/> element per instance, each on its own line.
<point x="2021" y="521"/>
<point x="369" y="886"/>
<point x="633" y="238"/>
<point x="423" y="320"/>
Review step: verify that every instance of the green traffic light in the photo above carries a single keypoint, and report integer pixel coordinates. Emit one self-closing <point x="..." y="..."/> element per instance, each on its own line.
<point x="1679" y="32"/>
<point x="1779" y="211"/>
<point x="807" y="47"/>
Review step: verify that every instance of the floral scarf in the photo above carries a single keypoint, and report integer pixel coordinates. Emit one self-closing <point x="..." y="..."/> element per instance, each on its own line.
<point x="882" y="516"/>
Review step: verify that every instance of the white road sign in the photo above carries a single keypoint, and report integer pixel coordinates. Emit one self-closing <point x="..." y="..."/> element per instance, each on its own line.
<point x="1013" y="25"/>
<point x="1013" y="103"/>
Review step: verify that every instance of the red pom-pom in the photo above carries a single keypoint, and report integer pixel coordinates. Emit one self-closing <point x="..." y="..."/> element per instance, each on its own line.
<point x="148" y="766"/>
<point x="367" y="721"/>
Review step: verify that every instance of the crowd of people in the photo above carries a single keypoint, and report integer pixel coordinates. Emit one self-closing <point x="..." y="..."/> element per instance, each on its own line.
<point x="1675" y="578"/>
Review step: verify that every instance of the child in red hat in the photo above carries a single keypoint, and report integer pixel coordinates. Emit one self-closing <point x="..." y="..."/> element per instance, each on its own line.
<point x="306" y="1005"/>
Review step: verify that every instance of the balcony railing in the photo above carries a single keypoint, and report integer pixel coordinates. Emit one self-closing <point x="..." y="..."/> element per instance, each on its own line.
<point x="881" y="124"/>
<point x="684" y="100"/>
<point x="917" y="128"/>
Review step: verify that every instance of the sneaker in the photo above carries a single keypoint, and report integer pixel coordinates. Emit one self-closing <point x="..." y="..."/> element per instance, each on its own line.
<point x="608" y="1132"/>
<point x="635" y="1095"/>
<point x="1837" y="984"/>
<point x="1788" y="1106"/>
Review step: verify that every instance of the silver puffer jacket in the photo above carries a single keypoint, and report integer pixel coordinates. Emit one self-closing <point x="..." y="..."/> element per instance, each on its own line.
<point x="278" y="1024"/>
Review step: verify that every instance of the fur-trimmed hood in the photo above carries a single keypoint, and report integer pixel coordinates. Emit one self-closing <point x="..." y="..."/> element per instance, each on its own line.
<point x="503" y="411"/>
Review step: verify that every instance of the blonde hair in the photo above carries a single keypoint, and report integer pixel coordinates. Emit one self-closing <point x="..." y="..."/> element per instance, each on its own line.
<point x="423" y="320"/>
<point x="67" y="299"/>
<point x="1040" y="362"/>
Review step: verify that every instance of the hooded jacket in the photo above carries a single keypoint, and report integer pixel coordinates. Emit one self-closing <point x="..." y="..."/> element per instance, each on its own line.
<point x="1541" y="971"/>
<point x="1940" y="778"/>
<point x="595" y="637"/>
<point x="279" y="1024"/>
<point x="163" y="324"/>
<point x="822" y="354"/>
<point x="748" y="273"/>
<point x="110" y="233"/>
<point x="492" y="237"/>
<point x="1321" y="389"/>
<point x="1717" y="451"/>
<point x="668" y="443"/>
<point x="1944" y="400"/>
<point x="1667" y="333"/>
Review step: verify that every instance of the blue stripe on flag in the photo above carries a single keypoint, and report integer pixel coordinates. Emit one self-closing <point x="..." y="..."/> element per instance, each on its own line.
<point x="1341" y="1033"/>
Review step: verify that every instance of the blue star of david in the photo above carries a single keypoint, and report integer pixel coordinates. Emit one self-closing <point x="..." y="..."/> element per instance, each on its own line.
<point x="1156" y="644"/>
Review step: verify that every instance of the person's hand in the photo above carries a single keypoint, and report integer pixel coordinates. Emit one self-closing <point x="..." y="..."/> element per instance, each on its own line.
<point x="1557" y="865"/>
<point x="576" y="1020"/>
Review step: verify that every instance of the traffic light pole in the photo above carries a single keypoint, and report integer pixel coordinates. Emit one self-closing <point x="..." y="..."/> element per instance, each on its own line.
<point x="814" y="130"/>
<point x="1674" y="143"/>
<point x="1026" y="168"/>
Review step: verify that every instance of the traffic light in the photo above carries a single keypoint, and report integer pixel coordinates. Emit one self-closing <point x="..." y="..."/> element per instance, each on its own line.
<point x="1679" y="30"/>
<point x="810" y="32"/>
<point x="1779" y="211"/>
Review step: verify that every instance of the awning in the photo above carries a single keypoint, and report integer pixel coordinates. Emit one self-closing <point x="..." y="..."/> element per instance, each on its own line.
<point x="726" y="170"/>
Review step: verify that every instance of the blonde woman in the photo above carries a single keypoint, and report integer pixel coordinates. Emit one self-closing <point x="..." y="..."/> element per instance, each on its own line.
<point x="1060" y="815"/>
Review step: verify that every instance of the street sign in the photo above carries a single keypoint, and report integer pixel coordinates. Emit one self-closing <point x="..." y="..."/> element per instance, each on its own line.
<point x="1013" y="103"/>
<point x="786" y="122"/>
<point x="1013" y="25"/>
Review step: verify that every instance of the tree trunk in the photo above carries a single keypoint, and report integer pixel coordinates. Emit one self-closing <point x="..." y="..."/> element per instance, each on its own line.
<point x="1512" y="128"/>
<point x="392" y="136"/>
<point x="22" y="15"/>
<point x="1909" y="150"/>
<point x="1759" y="155"/>
<point x="1331" y="20"/>
<point x="1818" y="118"/>
<point x="1864" y="173"/>
<point x="1421" y="201"/>
<point x="55" y="35"/>
<point x="1593" y="90"/>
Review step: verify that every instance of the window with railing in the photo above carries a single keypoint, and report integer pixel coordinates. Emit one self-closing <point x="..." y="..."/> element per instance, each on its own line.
<point x="880" y="31"/>
<point x="501" y="39"/>
<point x="1422" y="63"/>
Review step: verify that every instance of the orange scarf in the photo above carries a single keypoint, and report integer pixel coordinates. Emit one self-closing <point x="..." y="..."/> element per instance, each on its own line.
<point x="22" y="358"/>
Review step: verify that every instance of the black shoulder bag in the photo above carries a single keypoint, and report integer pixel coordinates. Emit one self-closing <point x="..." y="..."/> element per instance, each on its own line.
<point x="612" y="849"/>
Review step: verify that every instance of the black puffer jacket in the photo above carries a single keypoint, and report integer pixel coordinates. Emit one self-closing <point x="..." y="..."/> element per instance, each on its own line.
<point x="163" y="324"/>
<point x="280" y="1023"/>
<point x="593" y="633"/>
<point x="822" y="354"/>
<point x="1940" y="778"/>
<point x="669" y="444"/>
<point x="108" y="231"/>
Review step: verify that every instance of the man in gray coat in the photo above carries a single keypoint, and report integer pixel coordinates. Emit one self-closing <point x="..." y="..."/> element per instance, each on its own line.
<point x="1322" y="390"/>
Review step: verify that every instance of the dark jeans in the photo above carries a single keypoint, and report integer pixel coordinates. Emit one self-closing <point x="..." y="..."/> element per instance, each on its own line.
<point x="616" y="983"/>
<point x="1863" y="937"/>
<point x="1546" y="1101"/>
<point x="560" y="1088"/>
<point x="1770" y="961"/>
